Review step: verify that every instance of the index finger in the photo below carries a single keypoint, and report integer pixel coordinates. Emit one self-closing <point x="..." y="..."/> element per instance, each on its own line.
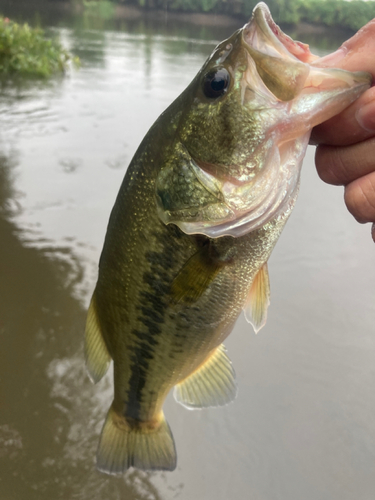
<point x="355" y="124"/>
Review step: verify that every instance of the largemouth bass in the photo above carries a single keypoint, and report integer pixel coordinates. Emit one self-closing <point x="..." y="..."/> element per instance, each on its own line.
<point x="201" y="207"/>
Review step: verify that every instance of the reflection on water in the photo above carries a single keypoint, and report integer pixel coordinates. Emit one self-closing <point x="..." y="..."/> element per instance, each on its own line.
<point x="302" y="426"/>
<point x="50" y="413"/>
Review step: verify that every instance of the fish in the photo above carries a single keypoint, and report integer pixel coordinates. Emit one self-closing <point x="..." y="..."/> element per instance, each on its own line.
<point x="200" y="209"/>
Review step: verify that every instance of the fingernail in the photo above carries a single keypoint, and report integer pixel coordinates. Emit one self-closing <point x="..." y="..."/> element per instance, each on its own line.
<point x="366" y="116"/>
<point x="334" y="58"/>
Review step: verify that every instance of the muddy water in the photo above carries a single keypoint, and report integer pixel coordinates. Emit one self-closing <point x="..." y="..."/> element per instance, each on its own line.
<point x="303" y="423"/>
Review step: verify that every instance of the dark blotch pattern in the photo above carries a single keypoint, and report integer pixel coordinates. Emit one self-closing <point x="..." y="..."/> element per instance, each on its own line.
<point x="153" y="298"/>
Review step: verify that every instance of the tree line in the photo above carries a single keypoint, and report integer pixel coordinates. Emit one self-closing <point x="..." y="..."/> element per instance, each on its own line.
<point x="342" y="13"/>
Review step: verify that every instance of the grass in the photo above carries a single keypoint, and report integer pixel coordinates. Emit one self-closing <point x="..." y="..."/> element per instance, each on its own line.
<point x="26" y="51"/>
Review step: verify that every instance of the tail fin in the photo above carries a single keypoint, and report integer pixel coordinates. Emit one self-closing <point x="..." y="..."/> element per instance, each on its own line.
<point x="147" y="447"/>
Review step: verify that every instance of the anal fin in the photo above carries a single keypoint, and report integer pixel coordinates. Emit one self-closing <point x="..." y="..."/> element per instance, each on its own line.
<point x="212" y="384"/>
<point x="96" y="352"/>
<point x="258" y="299"/>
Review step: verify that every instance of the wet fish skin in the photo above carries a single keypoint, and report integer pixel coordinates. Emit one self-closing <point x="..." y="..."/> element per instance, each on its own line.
<point x="165" y="300"/>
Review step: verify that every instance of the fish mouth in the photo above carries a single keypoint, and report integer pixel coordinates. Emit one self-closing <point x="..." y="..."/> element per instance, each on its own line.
<point x="262" y="33"/>
<point x="288" y="68"/>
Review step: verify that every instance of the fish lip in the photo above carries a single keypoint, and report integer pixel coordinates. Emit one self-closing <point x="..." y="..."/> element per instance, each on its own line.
<point x="261" y="37"/>
<point x="261" y="25"/>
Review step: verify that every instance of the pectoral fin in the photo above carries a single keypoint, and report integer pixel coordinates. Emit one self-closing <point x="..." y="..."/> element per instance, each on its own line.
<point x="195" y="277"/>
<point x="96" y="352"/>
<point x="212" y="384"/>
<point x="258" y="299"/>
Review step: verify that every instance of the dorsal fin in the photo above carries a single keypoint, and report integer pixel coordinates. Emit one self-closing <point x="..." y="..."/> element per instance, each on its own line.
<point x="212" y="384"/>
<point x="96" y="352"/>
<point x="258" y="299"/>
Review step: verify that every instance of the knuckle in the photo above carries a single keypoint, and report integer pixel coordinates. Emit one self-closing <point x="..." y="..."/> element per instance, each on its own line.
<point x="360" y="199"/>
<point x="329" y="164"/>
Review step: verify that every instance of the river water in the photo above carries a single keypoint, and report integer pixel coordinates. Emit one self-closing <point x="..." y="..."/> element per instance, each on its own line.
<point x="302" y="426"/>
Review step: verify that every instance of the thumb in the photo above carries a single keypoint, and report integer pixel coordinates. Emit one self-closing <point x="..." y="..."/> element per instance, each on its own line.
<point x="357" y="122"/>
<point x="356" y="54"/>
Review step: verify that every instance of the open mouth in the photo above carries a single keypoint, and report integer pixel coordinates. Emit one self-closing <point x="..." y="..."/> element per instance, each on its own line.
<point x="284" y="65"/>
<point x="263" y="34"/>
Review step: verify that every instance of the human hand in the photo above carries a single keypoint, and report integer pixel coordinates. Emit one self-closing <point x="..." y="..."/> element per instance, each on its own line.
<point x="346" y="143"/>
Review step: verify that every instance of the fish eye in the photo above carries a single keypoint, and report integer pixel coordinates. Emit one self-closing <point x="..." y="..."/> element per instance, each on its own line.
<point x="216" y="83"/>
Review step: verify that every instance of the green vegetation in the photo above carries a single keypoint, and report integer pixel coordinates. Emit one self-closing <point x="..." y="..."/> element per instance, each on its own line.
<point x="103" y="8"/>
<point x="351" y="15"/>
<point x="26" y="51"/>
